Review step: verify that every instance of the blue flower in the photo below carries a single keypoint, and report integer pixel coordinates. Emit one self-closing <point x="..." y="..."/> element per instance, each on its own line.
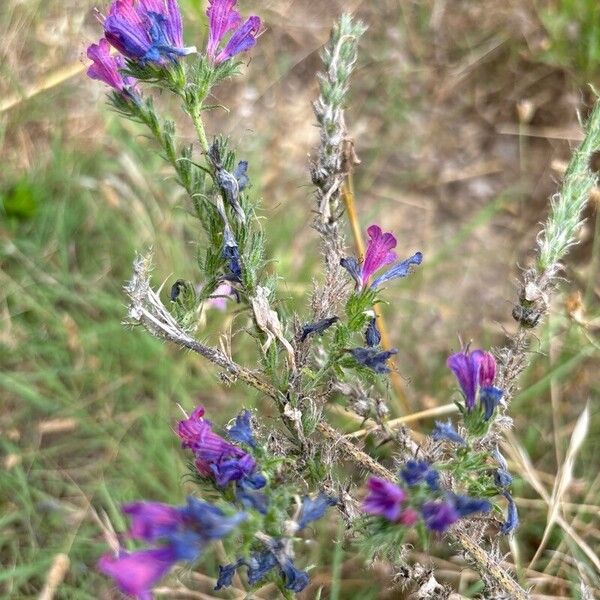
<point x="226" y="574"/>
<point x="231" y="254"/>
<point x="295" y="580"/>
<point x="446" y="431"/>
<point x="259" y="564"/>
<point x="373" y="359"/>
<point x="241" y="431"/>
<point x="512" y="516"/>
<point x="402" y="269"/>
<point x="416" y="471"/>
<point x="211" y="522"/>
<point x="467" y="505"/>
<point x="318" y="327"/>
<point x="249" y="497"/>
<point x="241" y="174"/>
<point x="372" y="335"/>
<point x="490" y="398"/>
<point x="312" y="510"/>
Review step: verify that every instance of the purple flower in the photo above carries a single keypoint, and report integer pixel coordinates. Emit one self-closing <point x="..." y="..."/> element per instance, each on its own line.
<point x="384" y="499"/>
<point x="318" y="327"/>
<point x="372" y="335"/>
<point x="313" y="510"/>
<point x="146" y="30"/>
<point x="152" y="520"/>
<point x="379" y="253"/>
<point x="184" y="531"/>
<point x="439" y="515"/>
<point x="474" y="370"/>
<point x="215" y="457"/>
<point x="107" y="68"/>
<point x="223" y="18"/>
<point x="373" y="359"/>
<point x="135" y="573"/>
<point x="446" y="431"/>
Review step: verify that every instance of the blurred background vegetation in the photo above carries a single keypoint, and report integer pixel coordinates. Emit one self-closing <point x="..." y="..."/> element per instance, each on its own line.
<point x="464" y="114"/>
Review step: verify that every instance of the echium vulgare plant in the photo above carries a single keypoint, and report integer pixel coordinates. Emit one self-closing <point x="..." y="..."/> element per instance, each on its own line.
<point x="257" y="491"/>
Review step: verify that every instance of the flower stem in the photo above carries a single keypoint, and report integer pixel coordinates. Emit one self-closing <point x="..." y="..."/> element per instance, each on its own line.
<point x="199" y="125"/>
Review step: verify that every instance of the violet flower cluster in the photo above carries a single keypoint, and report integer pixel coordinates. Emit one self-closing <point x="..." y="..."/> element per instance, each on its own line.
<point x="181" y="533"/>
<point x="150" y="32"/>
<point x="420" y="499"/>
<point x="178" y="533"/>
<point x="379" y="254"/>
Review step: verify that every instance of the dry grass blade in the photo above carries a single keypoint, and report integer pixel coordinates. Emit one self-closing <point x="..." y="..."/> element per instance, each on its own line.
<point x="49" y="81"/>
<point x="564" y="478"/>
<point x="437" y="411"/>
<point x="517" y="452"/>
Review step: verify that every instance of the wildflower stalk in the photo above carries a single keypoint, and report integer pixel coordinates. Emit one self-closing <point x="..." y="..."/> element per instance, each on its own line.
<point x="564" y="219"/>
<point x="555" y="239"/>
<point x="147" y="310"/>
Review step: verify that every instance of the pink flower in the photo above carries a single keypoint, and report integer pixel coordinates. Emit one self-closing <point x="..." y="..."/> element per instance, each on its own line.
<point x="107" y="68"/>
<point x="136" y="573"/>
<point x="379" y="254"/>
<point x="223" y="18"/>
<point x="384" y="499"/>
